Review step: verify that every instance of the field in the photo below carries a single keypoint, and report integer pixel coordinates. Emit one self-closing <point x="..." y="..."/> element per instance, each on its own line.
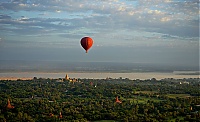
<point x="178" y="95"/>
<point x="143" y="99"/>
<point x="146" y="92"/>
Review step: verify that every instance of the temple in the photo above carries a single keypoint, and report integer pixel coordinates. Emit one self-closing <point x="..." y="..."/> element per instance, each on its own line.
<point x="66" y="77"/>
<point x="117" y="100"/>
<point x="9" y="106"/>
<point x="60" y="115"/>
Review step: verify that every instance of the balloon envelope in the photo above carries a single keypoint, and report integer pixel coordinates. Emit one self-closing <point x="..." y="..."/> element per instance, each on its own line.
<point x="86" y="43"/>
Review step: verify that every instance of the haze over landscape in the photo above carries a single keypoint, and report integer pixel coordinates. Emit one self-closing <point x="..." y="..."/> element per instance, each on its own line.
<point x="157" y="35"/>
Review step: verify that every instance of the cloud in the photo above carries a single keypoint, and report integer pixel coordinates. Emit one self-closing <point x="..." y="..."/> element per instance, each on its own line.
<point x="75" y="18"/>
<point x="4" y="17"/>
<point x="139" y="30"/>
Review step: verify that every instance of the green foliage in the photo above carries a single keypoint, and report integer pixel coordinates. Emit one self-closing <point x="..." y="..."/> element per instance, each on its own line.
<point x="41" y="100"/>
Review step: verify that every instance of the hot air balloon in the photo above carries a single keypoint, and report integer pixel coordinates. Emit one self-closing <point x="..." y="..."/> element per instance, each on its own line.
<point x="86" y="43"/>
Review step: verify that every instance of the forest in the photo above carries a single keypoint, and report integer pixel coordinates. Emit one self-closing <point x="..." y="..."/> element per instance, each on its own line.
<point x="96" y="100"/>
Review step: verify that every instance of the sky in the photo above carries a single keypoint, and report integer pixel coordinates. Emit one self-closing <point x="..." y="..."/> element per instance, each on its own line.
<point x="144" y="31"/>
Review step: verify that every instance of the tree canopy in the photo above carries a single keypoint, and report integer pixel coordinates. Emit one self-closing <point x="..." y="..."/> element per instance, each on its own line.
<point x="41" y="100"/>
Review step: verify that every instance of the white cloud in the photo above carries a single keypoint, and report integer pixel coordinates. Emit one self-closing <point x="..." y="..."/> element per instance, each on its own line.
<point x="165" y="19"/>
<point x="168" y="17"/>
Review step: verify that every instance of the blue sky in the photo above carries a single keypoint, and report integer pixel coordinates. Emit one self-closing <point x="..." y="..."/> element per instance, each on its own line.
<point x="149" y="31"/>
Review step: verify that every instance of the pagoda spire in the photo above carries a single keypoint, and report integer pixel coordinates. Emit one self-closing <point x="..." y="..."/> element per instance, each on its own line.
<point x="117" y="100"/>
<point x="60" y="115"/>
<point x="67" y="77"/>
<point x="9" y="106"/>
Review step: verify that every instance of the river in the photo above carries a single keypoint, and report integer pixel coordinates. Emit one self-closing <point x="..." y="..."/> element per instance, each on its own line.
<point x="102" y="75"/>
